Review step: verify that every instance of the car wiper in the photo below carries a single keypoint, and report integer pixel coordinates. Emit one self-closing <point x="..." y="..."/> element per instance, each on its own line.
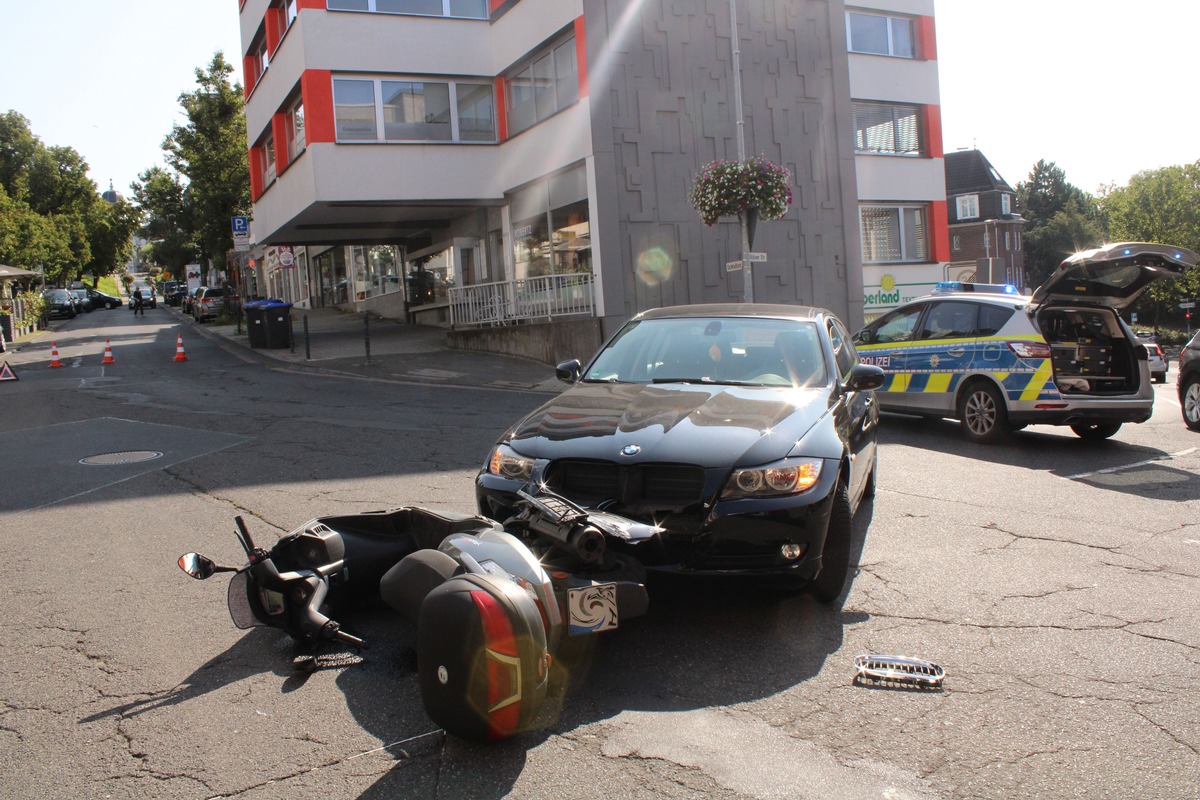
<point x="703" y="381"/>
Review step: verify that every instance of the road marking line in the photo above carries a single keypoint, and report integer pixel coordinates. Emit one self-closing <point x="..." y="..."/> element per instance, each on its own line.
<point x="1170" y="457"/>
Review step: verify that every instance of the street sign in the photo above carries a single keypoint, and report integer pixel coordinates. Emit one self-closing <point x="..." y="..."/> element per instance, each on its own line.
<point x="241" y="234"/>
<point x="240" y="225"/>
<point x="1188" y="304"/>
<point x="733" y="266"/>
<point x="757" y="257"/>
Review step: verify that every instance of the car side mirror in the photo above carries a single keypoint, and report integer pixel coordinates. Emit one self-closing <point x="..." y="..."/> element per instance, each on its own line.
<point x="864" y="377"/>
<point x="568" y="371"/>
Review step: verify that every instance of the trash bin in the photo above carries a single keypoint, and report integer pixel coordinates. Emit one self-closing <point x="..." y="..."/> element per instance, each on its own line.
<point x="278" y="323"/>
<point x="256" y="323"/>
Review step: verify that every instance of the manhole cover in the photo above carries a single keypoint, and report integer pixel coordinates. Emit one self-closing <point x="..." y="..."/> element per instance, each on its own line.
<point x="127" y="457"/>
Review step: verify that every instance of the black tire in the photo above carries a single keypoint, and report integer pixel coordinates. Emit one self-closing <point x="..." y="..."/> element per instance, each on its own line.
<point x="1095" y="432"/>
<point x="983" y="413"/>
<point x="835" y="559"/>
<point x="871" y="485"/>
<point x="1190" y="397"/>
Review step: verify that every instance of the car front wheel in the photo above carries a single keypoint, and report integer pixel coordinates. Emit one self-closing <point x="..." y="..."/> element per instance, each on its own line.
<point x="983" y="413"/>
<point x="1191" y="402"/>
<point x="835" y="559"/>
<point x="1096" y="432"/>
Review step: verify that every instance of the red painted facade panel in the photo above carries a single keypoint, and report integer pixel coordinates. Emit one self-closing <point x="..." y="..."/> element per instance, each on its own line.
<point x="316" y="90"/>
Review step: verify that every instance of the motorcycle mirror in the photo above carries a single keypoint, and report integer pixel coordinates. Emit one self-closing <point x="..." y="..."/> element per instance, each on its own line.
<point x="198" y="566"/>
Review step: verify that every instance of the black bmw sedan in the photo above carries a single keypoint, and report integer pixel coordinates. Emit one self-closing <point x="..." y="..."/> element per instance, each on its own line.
<point x="746" y="432"/>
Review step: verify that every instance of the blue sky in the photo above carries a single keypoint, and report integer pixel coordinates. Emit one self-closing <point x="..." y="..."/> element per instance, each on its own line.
<point x="1101" y="92"/>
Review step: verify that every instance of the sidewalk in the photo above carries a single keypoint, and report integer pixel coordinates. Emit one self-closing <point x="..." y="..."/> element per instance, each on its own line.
<point x="337" y="344"/>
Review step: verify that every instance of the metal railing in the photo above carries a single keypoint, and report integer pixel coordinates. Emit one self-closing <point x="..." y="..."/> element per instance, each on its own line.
<point x="508" y="302"/>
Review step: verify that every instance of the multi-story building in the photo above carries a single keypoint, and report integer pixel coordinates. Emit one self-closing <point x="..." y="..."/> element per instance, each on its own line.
<point x="985" y="229"/>
<point x="467" y="162"/>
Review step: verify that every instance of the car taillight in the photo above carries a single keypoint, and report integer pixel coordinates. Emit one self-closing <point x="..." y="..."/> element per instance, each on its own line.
<point x="1027" y="349"/>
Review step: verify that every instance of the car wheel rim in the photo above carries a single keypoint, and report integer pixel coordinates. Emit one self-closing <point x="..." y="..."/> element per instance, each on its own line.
<point x="1191" y="403"/>
<point x="981" y="413"/>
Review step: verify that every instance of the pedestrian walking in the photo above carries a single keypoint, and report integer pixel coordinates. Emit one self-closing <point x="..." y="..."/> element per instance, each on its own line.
<point x="138" y="308"/>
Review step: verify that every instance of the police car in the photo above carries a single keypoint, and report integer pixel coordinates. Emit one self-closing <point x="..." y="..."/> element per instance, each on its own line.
<point x="998" y="360"/>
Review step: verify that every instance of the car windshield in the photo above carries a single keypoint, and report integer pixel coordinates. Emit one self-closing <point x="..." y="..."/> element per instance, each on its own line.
<point x="747" y="351"/>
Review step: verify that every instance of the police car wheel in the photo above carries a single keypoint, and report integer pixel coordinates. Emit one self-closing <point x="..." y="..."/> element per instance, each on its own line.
<point x="1191" y="403"/>
<point x="835" y="559"/>
<point x="1096" y="433"/>
<point x="983" y="413"/>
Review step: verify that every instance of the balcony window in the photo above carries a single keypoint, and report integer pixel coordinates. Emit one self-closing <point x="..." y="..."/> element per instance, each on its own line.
<point x="268" y="161"/>
<point x="468" y="9"/>
<point x="354" y="103"/>
<point x="894" y="234"/>
<point x="296" y="140"/>
<point x="542" y="86"/>
<point x="880" y="34"/>
<point x="413" y="111"/>
<point x="881" y="128"/>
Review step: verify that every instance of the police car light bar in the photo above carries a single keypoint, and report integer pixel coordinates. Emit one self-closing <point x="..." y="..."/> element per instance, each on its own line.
<point x="946" y="287"/>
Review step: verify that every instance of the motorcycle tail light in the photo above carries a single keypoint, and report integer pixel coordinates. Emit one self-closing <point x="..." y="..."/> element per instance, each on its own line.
<point x="503" y="667"/>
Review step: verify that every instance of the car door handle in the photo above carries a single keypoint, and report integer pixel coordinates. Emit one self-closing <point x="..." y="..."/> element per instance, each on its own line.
<point x="956" y="351"/>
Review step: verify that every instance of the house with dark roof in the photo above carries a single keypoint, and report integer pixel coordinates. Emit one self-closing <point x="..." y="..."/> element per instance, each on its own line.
<point x="985" y="228"/>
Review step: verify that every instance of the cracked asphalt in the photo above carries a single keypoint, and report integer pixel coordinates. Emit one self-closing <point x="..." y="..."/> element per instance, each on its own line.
<point x="1054" y="580"/>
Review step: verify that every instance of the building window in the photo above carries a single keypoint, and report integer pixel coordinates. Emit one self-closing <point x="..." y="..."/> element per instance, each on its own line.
<point x="289" y="13"/>
<point x="259" y="59"/>
<point x="1008" y="240"/>
<point x="268" y="161"/>
<point x="1005" y="203"/>
<point x="542" y="86"/>
<point x="956" y="243"/>
<point x="893" y="233"/>
<point x="885" y="128"/>
<point x="413" y="111"/>
<point x="880" y="34"/>
<point x="468" y="9"/>
<point x="551" y="231"/>
<point x="967" y="205"/>
<point x="296" y="140"/>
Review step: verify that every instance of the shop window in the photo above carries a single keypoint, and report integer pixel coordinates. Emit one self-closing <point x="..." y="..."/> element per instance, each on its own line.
<point x="551" y="232"/>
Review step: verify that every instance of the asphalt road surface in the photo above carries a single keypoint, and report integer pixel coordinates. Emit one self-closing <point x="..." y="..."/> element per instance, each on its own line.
<point x="1053" y="579"/>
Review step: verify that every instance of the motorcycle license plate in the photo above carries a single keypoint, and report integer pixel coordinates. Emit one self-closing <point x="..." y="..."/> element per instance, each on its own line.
<point x="592" y="609"/>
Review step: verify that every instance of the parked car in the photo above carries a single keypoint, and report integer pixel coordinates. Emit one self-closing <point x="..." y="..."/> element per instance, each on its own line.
<point x="83" y="302"/>
<point x="176" y="295"/>
<point x="1188" y="381"/>
<point x="998" y="361"/>
<point x="207" y="303"/>
<point x="103" y="300"/>
<point x="149" y="296"/>
<point x="60" y="303"/>
<point x="1156" y="358"/>
<point x="189" y="301"/>
<point x="747" y="432"/>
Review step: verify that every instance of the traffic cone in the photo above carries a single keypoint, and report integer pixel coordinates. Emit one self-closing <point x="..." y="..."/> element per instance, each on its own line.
<point x="108" y="356"/>
<point x="179" y="354"/>
<point x="54" y="362"/>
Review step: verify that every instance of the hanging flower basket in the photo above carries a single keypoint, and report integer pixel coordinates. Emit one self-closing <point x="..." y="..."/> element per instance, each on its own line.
<point x="729" y="188"/>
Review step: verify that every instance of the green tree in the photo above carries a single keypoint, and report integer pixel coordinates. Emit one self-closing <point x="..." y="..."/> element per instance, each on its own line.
<point x="111" y="227"/>
<point x="1163" y="206"/>
<point x="209" y="151"/>
<point x="1060" y="219"/>
<point x="168" y="225"/>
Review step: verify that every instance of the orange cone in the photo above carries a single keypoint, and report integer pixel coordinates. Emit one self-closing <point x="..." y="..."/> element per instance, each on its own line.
<point x="108" y="356"/>
<point x="179" y="354"/>
<point x="54" y="362"/>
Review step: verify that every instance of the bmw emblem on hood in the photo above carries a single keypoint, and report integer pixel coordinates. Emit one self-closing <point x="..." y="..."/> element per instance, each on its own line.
<point x="631" y="450"/>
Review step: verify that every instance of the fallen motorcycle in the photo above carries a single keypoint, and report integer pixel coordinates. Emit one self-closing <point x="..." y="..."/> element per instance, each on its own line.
<point x="492" y="602"/>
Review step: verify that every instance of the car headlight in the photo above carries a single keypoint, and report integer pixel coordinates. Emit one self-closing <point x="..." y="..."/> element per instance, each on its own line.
<point x="789" y="477"/>
<point x="507" y="463"/>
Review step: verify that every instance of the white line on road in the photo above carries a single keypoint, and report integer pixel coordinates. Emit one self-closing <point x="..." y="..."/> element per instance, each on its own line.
<point x="1181" y="453"/>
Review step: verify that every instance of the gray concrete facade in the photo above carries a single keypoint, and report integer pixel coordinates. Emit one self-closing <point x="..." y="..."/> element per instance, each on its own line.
<point x="662" y="107"/>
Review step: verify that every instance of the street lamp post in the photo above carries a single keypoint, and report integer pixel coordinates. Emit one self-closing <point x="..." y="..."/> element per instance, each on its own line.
<point x="747" y="277"/>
